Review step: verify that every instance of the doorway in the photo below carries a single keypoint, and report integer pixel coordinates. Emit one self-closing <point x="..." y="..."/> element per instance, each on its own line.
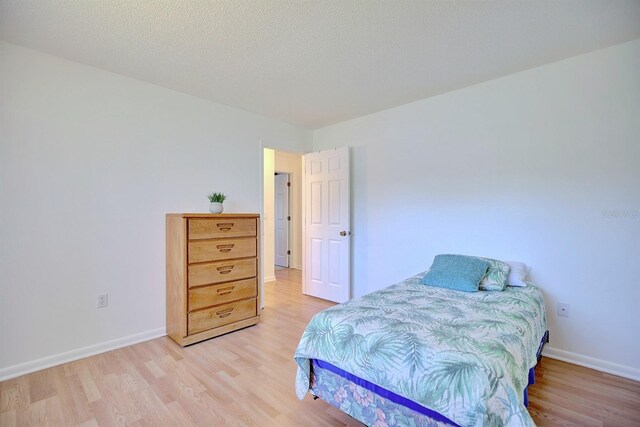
<point x="322" y="241"/>
<point x="282" y="213"/>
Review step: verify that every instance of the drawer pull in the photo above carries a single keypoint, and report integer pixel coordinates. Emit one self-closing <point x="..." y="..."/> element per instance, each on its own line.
<point x="225" y="248"/>
<point x="224" y="313"/>
<point x="225" y="269"/>
<point x="225" y="226"/>
<point x="225" y="291"/>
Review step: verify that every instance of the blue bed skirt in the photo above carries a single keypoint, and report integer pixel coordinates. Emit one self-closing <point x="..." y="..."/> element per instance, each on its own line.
<point x="532" y="371"/>
<point x="433" y="417"/>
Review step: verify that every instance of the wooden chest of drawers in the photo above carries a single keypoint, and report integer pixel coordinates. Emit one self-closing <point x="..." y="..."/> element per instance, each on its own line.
<point x="212" y="275"/>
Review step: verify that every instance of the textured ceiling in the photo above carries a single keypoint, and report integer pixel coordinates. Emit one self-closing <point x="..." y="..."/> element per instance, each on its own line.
<point x="317" y="62"/>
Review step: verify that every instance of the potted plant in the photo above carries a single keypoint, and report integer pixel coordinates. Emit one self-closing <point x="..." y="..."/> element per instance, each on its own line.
<point x="216" y="200"/>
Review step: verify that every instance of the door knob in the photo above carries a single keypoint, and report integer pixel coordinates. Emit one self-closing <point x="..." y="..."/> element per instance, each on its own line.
<point x="344" y="233"/>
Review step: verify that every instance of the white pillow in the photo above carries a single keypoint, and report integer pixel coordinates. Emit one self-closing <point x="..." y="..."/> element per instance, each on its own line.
<point x="517" y="274"/>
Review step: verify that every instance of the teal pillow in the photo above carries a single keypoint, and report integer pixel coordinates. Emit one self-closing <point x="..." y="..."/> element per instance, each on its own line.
<point x="457" y="272"/>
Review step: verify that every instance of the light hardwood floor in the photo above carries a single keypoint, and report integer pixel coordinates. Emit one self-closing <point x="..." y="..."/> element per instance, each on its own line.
<point x="247" y="377"/>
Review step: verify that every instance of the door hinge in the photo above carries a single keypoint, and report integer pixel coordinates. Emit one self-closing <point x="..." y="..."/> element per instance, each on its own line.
<point x="288" y="218"/>
<point x="288" y="184"/>
<point x="288" y="252"/>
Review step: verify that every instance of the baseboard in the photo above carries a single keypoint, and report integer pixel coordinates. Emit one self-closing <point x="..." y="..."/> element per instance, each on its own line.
<point x="297" y="267"/>
<point x="79" y="353"/>
<point x="592" y="362"/>
<point x="269" y="279"/>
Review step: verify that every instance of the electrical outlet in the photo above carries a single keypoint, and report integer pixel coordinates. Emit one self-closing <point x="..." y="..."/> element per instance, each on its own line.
<point x="103" y="300"/>
<point x="563" y="309"/>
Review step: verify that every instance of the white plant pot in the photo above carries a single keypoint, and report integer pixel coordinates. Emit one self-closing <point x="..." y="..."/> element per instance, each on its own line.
<point x="216" y="208"/>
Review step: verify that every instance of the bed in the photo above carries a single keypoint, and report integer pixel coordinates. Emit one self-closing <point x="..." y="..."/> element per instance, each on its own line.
<point x="418" y="355"/>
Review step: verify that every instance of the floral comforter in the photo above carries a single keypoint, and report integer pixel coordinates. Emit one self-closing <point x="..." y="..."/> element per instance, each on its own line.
<point x="464" y="355"/>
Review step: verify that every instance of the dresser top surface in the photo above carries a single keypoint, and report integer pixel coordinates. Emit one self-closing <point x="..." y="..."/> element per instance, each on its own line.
<point x="209" y="215"/>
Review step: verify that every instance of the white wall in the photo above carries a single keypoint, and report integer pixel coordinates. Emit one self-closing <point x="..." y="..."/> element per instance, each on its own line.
<point x="90" y="162"/>
<point x="291" y="163"/>
<point x="527" y="167"/>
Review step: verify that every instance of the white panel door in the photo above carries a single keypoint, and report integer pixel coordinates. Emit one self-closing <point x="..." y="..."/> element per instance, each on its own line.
<point x="327" y="225"/>
<point x="281" y="222"/>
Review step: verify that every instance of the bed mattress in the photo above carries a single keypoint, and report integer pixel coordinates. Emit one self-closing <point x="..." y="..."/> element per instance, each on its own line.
<point x="465" y="356"/>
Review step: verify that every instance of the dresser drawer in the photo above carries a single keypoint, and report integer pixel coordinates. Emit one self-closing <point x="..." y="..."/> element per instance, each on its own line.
<point x="221" y="315"/>
<point x="221" y="271"/>
<point x="223" y="293"/>
<point x="214" y="250"/>
<point x="213" y="228"/>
